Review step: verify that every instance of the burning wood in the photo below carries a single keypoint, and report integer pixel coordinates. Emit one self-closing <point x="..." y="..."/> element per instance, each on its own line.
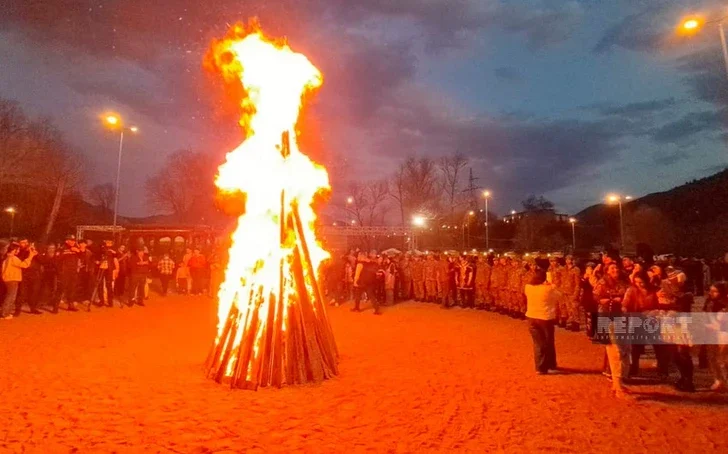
<point x="273" y="328"/>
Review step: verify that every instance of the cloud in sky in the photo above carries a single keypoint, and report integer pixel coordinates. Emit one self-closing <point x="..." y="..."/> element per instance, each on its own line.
<point x="376" y="106"/>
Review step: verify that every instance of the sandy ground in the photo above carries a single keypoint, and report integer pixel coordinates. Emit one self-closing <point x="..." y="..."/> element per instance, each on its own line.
<point x="418" y="379"/>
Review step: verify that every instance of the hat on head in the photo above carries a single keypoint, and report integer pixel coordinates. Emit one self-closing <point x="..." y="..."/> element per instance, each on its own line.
<point x="70" y="236"/>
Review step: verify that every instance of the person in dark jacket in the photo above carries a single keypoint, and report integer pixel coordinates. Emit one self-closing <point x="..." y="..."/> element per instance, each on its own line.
<point x="68" y="262"/>
<point x="29" y="291"/>
<point x="365" y="281"/>
<point x="108" y="266"/>
<point x="139" y="268"/>
<point x="86" y="273"/>
<point x="49" y="275"/>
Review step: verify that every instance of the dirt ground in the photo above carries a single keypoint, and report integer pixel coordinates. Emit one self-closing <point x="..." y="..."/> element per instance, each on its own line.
<point x="417" y="379"/>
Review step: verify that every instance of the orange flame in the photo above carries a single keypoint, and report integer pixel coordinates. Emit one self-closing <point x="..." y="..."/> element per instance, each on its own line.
<point x="274" y="79"/>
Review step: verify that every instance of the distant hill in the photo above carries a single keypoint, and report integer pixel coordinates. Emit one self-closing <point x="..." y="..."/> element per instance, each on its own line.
<point x="690" y="219"/>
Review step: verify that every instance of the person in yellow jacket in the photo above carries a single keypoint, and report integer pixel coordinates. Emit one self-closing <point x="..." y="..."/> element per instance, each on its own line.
<point x="12" y="273"/>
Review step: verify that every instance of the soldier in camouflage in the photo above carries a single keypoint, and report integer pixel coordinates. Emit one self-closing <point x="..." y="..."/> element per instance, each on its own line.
<point x="482" y="283"/>
<point x="515" y="287"/>
<point x="555" y="274"/>
<point x="430" y="272"/>
<point x="570" y="294"/>
<point x="418" y="278"/>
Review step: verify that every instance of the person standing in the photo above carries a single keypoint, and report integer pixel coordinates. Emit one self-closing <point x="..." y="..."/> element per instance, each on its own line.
<point x="406" y="277"/>
<point x="139" y="267"/>
<point x="541" y="303"/>
<point x="430" y="274"/>
<point x="108" y="266"/>
<point x="29" y="289"/>
<point x="365" y="281"/>
<point x="122" y="260"/>
<point x="515" y="287"/>
<point x="184" y="285"/>
<point x="12" y="275"/>
<point x="482" y="283"/>
<point x="640" y="298"/>
<point x="165" y="266"/>
<point x="609" y="294"/>
<point x="68" y="263"/>
<point x="86" y="273"/>
<point x="390" y="277"/>
<point x="717" y="301"/>
<point x="49" y="275"/>
<point x="418" y="278"/>
<point x="443" y="281"/>
<point x="554" y="276"/>
<point x="197" y="264"/>
<point x="466" y="280"/>
<point x="570" y="290"/>
<point x="497" y="283"/>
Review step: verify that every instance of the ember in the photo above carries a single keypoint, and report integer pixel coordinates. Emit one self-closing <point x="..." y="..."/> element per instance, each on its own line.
<point x="272" y="323"/>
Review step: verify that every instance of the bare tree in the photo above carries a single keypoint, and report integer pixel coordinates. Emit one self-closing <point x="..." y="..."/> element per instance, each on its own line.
<point x="184" y="186"/>
<point x="415" y="187"/>
<point x="451" y="168"/>
<point x="368" y="202"/>
<point x="540" y="203"/>
<point x="102" y="195"/>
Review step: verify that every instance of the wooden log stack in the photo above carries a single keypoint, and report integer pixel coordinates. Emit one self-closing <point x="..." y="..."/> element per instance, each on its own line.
<point x="283" y="337"/>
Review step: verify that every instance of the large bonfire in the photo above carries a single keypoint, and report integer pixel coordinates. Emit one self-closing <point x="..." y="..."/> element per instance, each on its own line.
<point x="272" y="328"/>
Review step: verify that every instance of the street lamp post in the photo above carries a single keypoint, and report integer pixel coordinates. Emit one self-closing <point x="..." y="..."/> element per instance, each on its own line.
<point x="618" y="200"/>
<point x="114" y="121"/>
<point x="486" y="195"/>
<point x="572" y="221"/>
<point x="694" y="24"/>
<point x="466" y="223"/>
<point x="418" y="222"/>
<point x="11" y="211"/>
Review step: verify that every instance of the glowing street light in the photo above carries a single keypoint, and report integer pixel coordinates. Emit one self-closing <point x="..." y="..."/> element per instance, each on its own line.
<point x="11" y="211"/>
<point x="615" y="198"/>
<point x="349" y="200"/>
<point x="114" y="121"/>
<point x="692" y="25"/>
<point x="486" y="196"/>
<point x="573" y="221"/>
<point x="419" y="221"/>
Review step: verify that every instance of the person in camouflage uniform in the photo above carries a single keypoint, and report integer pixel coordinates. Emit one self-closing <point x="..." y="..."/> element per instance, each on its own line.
<point x="443" y="280"/>
<point x="555" y="275"/>
<point x="515" y="287"/>
<point x="405" y="267"/>
<point x="430" y="272"/>
<point x="498" y="280"/>
<point x="528" y="276"/>
<point x="466" y="280"/>
<point x="482" y="283"/>
<point x="570" y="290"/>
<point x="418" y="278"/>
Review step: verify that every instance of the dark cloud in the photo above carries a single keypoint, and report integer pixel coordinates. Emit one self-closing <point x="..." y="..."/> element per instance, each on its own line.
<point x="706" y="75"/>
<point x="689" y="125"/>
<point x="508" y="74"/>
<point x="634" y="32"/>
<point x="636" y="109"/>
<point x="522" y="155"/>
<point x="668" y="159"/>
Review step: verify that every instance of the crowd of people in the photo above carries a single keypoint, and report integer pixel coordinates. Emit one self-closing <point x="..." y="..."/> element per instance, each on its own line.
<point x="82" y="273"/>
<point x="548" y="292"/>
